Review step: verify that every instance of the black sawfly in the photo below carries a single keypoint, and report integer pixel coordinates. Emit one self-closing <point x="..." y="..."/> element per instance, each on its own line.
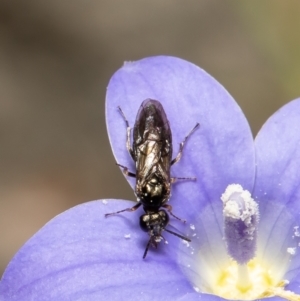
<point x="151" y="151"/>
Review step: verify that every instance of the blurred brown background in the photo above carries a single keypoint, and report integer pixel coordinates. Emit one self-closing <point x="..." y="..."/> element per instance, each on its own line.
<point x="56" y="58"/>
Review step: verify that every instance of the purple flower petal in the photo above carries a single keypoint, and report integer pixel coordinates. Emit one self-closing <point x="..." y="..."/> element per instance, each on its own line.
<point x="219" y="153"/>
<point x="194" y="296"/>
<point x="278" y="157"/>
<point x="81" y="255"/>
<point x="277" y="189"/>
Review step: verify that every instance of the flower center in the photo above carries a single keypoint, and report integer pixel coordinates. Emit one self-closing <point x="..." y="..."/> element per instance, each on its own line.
<point x="224" y="260"/>
<point x="249" y="282"/>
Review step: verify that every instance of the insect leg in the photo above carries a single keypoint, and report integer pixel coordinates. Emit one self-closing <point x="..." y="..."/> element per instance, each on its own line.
<point x="181" y="145"/>
<point x="169" y="208"/>
<point x="128" y="144"/>
<point x="126" y="172"/>
<point x="127" y="209"/>
<point x="178" y="235"/>
<point x="173" y="180"/>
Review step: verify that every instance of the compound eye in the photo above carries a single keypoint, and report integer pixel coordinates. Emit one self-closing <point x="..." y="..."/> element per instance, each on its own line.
<point x="144" y="222"/>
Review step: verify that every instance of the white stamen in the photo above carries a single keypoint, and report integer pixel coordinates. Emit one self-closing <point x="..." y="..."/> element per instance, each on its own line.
<point x="241" y="216"/>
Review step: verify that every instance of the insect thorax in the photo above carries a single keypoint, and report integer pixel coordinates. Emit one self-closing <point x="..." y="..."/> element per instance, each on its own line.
<point x="153" y="192"/>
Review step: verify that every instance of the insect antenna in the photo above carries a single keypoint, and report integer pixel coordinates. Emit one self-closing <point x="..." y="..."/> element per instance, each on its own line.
<point x="178" y="235"/>
<point x="147" y="248"/>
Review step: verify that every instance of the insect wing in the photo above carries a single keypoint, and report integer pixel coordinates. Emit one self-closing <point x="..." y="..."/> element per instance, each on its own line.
<point x="152" y="119"/>
<point x="152" y="141"/>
